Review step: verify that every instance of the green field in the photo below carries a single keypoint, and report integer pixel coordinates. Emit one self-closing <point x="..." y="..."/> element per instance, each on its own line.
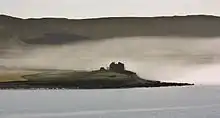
<point x="75" y="76"/>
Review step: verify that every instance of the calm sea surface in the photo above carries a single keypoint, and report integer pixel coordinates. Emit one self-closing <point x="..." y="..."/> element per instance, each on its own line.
<point x="171" y="102"/>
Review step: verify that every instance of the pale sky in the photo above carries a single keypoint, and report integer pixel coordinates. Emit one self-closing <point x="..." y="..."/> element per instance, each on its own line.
<point x="106" y="8"/>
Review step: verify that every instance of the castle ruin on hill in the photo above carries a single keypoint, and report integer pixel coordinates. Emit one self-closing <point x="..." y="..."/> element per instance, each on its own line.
<point x="117" y="67"/>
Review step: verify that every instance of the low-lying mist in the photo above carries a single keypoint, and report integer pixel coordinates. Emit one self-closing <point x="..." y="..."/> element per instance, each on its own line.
<point x="157" y="58"/>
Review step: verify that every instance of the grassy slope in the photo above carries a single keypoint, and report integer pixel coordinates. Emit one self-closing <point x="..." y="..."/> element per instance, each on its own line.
<point x="74" y="76"/>
<point x="94" y="79"/>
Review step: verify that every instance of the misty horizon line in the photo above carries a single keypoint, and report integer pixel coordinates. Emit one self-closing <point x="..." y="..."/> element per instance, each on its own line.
<point x="108" y="17"/>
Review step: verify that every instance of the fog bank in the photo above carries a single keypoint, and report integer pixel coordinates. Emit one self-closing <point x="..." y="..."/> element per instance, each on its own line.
<point x="158" y="58"/>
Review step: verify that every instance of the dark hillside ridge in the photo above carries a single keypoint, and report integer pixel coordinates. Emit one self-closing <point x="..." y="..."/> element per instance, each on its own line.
<point x="34" y="31"/>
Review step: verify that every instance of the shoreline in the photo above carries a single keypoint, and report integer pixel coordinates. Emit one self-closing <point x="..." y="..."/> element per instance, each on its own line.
<point x="28" y="85"/>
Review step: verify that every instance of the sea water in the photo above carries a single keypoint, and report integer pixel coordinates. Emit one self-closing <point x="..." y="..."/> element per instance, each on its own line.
<point x="167" y="102"/>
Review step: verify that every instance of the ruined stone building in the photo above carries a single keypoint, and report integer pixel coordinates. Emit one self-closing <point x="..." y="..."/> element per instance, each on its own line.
<point x="117" y="67"/>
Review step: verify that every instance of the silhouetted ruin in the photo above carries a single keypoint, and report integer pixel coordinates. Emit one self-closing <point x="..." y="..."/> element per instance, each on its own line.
<point x="117" y="67"/>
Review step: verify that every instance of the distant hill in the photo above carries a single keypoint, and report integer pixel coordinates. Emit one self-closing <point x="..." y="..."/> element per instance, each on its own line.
<point x="55" y="31"/>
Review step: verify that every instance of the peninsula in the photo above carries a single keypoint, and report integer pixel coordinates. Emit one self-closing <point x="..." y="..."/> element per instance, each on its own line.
<point x="114" y="76"/>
